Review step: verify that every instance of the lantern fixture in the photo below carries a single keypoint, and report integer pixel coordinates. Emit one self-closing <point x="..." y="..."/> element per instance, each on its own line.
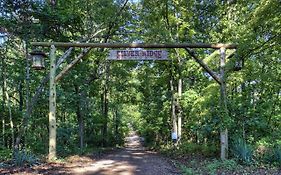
<point x="38" y="59"/>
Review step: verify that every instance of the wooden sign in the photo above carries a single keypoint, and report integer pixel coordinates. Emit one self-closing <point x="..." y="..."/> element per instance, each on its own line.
<point x="138" y="55"/>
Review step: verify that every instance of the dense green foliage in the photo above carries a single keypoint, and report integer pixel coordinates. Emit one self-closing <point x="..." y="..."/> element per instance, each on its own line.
<point x="98" y="100"/>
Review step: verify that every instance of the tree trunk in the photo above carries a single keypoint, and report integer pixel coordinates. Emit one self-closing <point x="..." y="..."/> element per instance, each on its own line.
<point x="224" y="112"/>
<point x="173" y="109"/>
<point x="28" y="112"/>
<point x="3" y="130"/>
<point x="116" y="129"/>
<point x="179" y="99"/>
<point x="4" y="102"/>
<point x="105" y="105"/>
<point x="10" y="116"/>
<point x="105" y="114"/>
<point x="52" y="107"/>
<point x="105" y="120"/>
<point x="80" y="116"/>
<point x="28" y="106"/>
<point x="6" y="97"/>
<point x="116" y="123"/>
<point x="20" y="91"/>
<point x="81" y="130"/>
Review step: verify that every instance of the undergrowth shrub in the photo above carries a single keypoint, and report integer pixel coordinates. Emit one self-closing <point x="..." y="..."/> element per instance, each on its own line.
<point x="194" y="148"/>
<point x="242" y="151"/>
<point x="210" y="150"/>
<point x="22" y="158"/>
<point x="216" y="165"/>
<point x="67" y="140"/>
<point x="273" y="156"/>
<point x="5" y="154"/>
<point x="149" y="135"/>
<point x="186" y="170"/>
<point x="189" y="148"/>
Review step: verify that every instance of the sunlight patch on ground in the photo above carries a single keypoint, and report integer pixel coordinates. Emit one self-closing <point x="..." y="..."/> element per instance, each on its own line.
<point x="107" y="167"/>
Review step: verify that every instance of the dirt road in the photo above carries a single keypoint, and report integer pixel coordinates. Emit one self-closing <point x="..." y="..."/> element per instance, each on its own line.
<point x="132" y="160"/>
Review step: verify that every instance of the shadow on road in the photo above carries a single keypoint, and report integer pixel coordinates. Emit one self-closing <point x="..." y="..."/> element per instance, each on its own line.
<point x="134" y="159"/>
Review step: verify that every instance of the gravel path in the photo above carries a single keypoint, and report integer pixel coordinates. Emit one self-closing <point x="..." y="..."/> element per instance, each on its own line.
<point x="132" y="160"/>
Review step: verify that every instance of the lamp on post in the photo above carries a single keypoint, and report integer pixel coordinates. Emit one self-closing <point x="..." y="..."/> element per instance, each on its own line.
<point x="38" y="63"/>
<point x="38" y="59"/>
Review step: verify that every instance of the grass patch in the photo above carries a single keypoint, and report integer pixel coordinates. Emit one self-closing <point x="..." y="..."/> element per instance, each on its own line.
<point x="5" y="154"/>
<point x="187" y="148"/>
<point x="197" y="159"/>
<point x="186" y="170"/>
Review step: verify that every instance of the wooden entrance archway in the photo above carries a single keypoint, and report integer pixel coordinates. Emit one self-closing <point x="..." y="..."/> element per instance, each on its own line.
<point x="87" y="46"/>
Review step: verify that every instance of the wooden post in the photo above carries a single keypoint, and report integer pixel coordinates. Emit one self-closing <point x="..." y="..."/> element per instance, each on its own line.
<point x="224" y="144"/>
<point x="179" y="98"/>
<point x="52" y="106"/>
<point x="223" y="101"/>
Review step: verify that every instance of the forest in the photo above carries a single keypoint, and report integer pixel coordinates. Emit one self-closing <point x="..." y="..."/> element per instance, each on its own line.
<point x="99" y="102"/>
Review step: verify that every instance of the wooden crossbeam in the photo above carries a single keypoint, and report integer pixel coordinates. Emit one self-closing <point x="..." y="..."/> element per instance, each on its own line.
<point x="135" y="45"/>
